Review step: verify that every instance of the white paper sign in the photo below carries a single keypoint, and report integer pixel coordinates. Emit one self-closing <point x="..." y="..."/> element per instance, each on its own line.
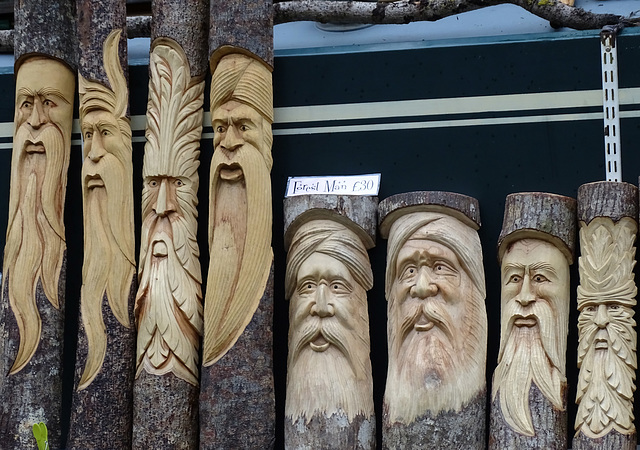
<point x="339" y="185"/>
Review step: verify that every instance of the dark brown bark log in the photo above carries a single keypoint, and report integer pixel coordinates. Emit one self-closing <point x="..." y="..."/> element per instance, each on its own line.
<point x="460" y="206"/>
<point x="247" y="24"/>
<point x="611" y="441"/>
<point x="47" y="28"/>
<point x="549" y="423"/>
<point x="187" y="23"/>
<point x="102" y="413"/>
<point x="464" y="429"/>
<point x="237" y="402"/>
<point x="164" y="414"/>
<point x="34" y="394"/>
<point x="346" y="209"/>
<point x="607" y="199"/>
<point x="331" y="432"/>
<point x="551" y="215"/>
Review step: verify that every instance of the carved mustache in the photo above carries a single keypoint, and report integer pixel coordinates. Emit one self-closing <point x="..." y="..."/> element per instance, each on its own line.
<point x="332" y="332"/>
<point x="435" y="313"/>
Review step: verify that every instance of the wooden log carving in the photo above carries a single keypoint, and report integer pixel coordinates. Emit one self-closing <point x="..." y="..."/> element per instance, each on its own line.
<point x="528" y="399"/>
<point x="606" y="297"/>
<point x="329" y="398"/>
<point x="168" y="306"/>
<point x="437" y="330"/>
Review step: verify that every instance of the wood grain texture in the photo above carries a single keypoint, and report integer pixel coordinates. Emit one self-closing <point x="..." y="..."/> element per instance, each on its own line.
<point x="607" y="199"/>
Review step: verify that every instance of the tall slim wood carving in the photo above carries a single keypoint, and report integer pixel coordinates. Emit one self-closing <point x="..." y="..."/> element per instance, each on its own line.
<point x="237" y="406"/>
<point x="608" y="215"/>
<point x="329" y="398"/>
<point x="437" y="323"/>
<point x="529" y="392"/>
<point x="102" y="409"/>
<point x="33" y="288"/>
<point x="168" y="306"/>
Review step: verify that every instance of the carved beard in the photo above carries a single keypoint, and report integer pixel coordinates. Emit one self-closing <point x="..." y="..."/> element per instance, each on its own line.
<point x="440" y="369"/>
<point x="168" y="304"/>
<point x="528" y="354"/>
<point x="35" y="242"/>
<point x="338" y="378"/>
<point x="606" y="379"/>
<point x="107" y="267"/>
<point x="239" y="218"/>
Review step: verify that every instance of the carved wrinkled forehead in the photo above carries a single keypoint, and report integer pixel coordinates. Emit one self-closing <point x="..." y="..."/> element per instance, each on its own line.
<point x="59" y="78"/>
<point x="443" y="229"/>
<point x="332" y="239"/>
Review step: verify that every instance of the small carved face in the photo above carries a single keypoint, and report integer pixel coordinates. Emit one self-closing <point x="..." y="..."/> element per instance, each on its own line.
<point x="44" y="98"/>
<point x="534" y="278"/>
<point x="164" y="195"/>
<point x="601" y="320"/>
<point x="326" y="291"/>
<point x="102" y="137"/>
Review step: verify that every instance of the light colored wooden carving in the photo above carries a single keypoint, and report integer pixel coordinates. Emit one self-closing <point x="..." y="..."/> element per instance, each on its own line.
<point x="329" y="370"/>
<point x="534" y="324"/>
<point x="107" y="192"/>
<point x="437" y="320"/>
<point x="239" y="200"/>
<point x="35" y="242"/>
<point x="169" y="300"/>
<point x="607" y="338"/>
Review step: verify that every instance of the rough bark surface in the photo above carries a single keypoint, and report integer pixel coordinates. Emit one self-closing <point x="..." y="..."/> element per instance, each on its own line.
<point x="459" y="206"/>
<point x="34" y="394"/>
<point x="550" y="425"/>
<point x="164" y="414"/>
<point x="464" y="429"/>
<point x="345" y="209"/>
<point x="607" y="199"/>
<point x="331" y="432"/>
<point x="102" y="414"/>
<point x="551" y="214"/>
<point x="237" y="403"/>
<point x="186" y="23"/>
<point x="246" y="24"/>
<point x="611" y="441"/>
<point x="95" y="21"/>
<point x="47" y="28"/>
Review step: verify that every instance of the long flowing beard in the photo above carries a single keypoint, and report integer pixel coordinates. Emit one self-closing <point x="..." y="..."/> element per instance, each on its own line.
<point x="606" y="382"/>
<point x="523" y="361"/>
<point x="35" y="235"/>
<point x="240" y="248"/>
<point x="436" y="370"/>
<point x="168" y="306"/>
<point x="326" y="382"/>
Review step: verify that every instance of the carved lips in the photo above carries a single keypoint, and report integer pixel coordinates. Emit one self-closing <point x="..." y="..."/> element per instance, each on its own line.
<point x="231" y="172"/>
<point x="34" y="147"/>
<point x="94" y="181"/>
<point x="423" y="324"/>
<point x="318" y="343"/>
<point x="529" y="320"/>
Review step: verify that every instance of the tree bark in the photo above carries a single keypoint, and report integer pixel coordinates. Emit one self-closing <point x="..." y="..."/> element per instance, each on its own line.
<point x="607" y="199"/>
<point x="611" y="441"/>
<point x="335" y="431"/>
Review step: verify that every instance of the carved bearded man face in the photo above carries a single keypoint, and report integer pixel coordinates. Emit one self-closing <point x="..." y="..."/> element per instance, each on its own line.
<point x="35" y="233"/>
<point x="328" y="365"/>
<point x="535" y="313"/>
<point x="437" y="320"/>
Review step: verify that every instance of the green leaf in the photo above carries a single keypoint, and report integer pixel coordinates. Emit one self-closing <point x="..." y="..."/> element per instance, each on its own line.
<point x="41" y="435"/>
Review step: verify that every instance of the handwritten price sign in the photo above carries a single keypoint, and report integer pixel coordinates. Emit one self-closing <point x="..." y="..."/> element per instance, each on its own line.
<point x="340" y="185"/>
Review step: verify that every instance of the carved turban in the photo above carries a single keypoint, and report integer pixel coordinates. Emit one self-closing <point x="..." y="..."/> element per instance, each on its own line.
<point x="443" y="229"/>
<point x="334" y="240"/>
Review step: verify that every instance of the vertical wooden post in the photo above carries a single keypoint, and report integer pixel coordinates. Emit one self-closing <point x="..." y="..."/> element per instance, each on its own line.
<point x="608" y="215"/>
<point x="529" y="392"/>
<point x="329" y="380"/>
<point x="33" y="291"/>
<point x="102" y="408"/>
<point x="168" y="307"/>
<point x="435" y="395"/>
<point x="237" y="405"/>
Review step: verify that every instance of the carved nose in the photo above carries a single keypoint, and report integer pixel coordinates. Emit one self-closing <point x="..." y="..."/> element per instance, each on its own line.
<point x="37" y="117"/>
<point x="526" y="295"/>
<point x="424" y="287"/>
<point x="232" y="139"/>
<point x="602" y="317"/>
<point x="322" y="308"/>
<point x="97" y="150"/>
<point x="164" y="202"/>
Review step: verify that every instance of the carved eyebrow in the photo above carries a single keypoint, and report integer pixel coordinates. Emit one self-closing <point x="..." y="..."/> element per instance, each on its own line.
<point x="543" y="266"/>
<point x="52" y="92"/>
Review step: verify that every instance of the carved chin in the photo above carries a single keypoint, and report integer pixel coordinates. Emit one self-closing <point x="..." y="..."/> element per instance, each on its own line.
<point x="159" y="249"/>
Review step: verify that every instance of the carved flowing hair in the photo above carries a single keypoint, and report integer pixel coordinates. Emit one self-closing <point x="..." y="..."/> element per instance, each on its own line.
<point x="332" y="239"/>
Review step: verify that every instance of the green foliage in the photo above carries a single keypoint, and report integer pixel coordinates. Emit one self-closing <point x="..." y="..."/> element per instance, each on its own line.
<point x="41" y="435"/>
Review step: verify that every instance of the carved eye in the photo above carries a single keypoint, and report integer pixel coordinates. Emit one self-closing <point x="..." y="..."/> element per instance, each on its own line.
<point x="244" y="127"/>
<point x="539" y="278"/>
<point x="590" y="309"/>
<point x="179" y="183"/>
<point x="408" y="272"/>
<point x="153" y="183"/>
<point x="88" y="135"/>
<point x="515" y="279"/>
<point x="614" y="307"/>
<point x="48" y="102"/>
<point x="339" y="287"/>
<point x="220" y="129"/>
<point x="26" y="104"/>
<point x="105" y="133"/>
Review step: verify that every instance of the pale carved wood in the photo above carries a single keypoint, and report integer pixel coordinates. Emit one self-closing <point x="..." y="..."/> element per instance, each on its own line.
<point x="329" y="398"/>
<point x="606" y="298"/>
<point x="437" y="354"/>
<point x="528" y="397"/>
